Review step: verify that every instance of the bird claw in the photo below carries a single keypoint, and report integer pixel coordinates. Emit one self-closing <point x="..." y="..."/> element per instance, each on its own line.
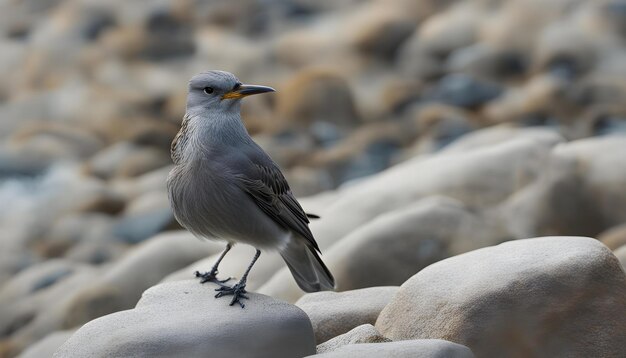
<point x="238" y="291"/>
<point x="211" y="276"/>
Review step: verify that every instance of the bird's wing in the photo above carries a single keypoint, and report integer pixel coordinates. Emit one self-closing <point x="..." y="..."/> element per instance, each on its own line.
<point x="268" y="188"/>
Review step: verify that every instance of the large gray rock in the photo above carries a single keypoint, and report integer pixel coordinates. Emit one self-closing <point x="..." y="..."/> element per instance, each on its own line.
<point x="543" y="297"/>
<point x="183" y="319"/>
<point x="365" y="333"/>
<point x="335" y="313"/>
<point x="419" y="348"/>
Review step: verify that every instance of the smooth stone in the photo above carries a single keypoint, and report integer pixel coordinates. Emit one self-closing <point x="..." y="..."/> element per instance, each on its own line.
<point x="335" y="313"/>
<point x="615" y="237"/>
<point x="545" y="297"/>
<point x="365" y="333"/>
<point x="579" y="192"/>
<point x="620" y="253"/>
<point x="183" y="318"/>
<point x="395" y="245"/>
<point x="121" y="285"/>
<point x="48" y="345"/>
<point x="463" y="91"/>
<point x="419" y="348"/>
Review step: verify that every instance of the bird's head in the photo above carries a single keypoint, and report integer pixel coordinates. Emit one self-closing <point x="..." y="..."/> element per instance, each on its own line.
<point x="219" y="90"/>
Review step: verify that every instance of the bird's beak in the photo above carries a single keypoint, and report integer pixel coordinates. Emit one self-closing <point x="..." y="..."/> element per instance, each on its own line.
<point x="247" y="90"/>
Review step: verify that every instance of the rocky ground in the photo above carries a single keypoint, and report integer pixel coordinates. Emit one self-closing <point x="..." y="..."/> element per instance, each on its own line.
<point x="434" y="139"/>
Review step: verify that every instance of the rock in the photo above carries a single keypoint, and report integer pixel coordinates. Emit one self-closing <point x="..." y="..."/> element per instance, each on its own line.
<point x="423" y="53"/>
<point x="105" y="163"/>
<point x="463" y="91"/>
<point x="182" y="318"/>
<point x="96" y="252"/>
<point x="29" y="316"/>
<point x="108" y="203"/>
<point x="452" y="176"/>
<point x="396" y="245"/>
<point x="578" y="193"/>
<point x="378" y="30"/>
<point x="498" y="134"/>
<point x="484" y="61"/>
<point x="511" y="165"/>
<point x="48" y="345"/>
<point x="29" y="281"/>
<point x="365" y="333"/>
<point x="142" y="161"/>
<point x="615" y="237"/>
<point x="545" y="297"/>
<point x="145" y="265"/>
<point x="169" y="37"/>
<point x="55" y="140"/>
<point x="537" y="95"/>
<point x="419" y="348"/>
<point x="565" y="49"/>
<point x="335" y="313"/>
<point x="317" y="95"/>
<point x="620" y="253"/>
<point x="144" y="217"/>
<point x="438" y="126"/>
<point x="137" y="228"/>
<point x="151" y="181"/>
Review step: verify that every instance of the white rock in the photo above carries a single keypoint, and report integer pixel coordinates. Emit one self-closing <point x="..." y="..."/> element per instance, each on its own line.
<point x="547" y="297"/>
<point x="145" y="265"/>
<point x="334" y="313"/>
<point x="183" y="319"/>
<point x="365" y="333"/>
<point x="47" y="346"/>
<point x="419" y="348"/>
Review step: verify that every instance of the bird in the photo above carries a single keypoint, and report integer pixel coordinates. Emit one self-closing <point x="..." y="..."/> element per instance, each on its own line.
<point x="224" y="186"/>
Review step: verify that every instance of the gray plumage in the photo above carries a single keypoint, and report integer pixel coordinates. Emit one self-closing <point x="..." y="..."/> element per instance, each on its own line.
<point x="224" y="186"/>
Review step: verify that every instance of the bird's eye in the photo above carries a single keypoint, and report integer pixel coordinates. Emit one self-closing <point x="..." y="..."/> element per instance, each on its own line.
<point x="208" y="90"/>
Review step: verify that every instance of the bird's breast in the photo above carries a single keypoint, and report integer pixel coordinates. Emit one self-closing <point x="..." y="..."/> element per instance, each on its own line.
<point x="208" y="202"/>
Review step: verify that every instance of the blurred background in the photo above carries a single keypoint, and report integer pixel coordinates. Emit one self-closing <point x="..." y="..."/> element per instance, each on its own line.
<point x="93" y="92"/>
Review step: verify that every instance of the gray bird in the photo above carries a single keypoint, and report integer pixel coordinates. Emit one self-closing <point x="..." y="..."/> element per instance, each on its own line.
<point x="224" y="186"/>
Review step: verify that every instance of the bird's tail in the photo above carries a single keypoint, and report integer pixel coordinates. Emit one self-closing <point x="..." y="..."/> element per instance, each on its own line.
<point x="307" y="268"/>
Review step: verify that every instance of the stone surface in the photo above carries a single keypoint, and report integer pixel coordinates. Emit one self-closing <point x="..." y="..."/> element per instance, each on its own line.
<point x="122" y="284"/>
<point x="47" y="346"/>
<point x="614" y="237"/>
<point x="542" y="297"/>
<point x="182" y="318"/>
<point x="419" y="348"/>
<point x="335" y="313"/>
<point x="578" y="193"/>
<point x="365" y="333"/>
<point x="620" y="253"/>
<point x="480" y="178"/>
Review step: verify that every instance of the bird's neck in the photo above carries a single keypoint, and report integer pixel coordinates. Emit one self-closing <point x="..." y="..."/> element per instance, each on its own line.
<point x="203" y="134"/>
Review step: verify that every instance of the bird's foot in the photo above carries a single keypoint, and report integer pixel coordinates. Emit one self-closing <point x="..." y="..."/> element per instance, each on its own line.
<point x="211" y="276"/>
<point x="238" y="291"/>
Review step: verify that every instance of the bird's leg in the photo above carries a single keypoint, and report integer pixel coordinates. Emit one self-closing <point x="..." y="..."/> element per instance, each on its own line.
<point x="212" y="275"/>
<point x="238" y="291"/>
